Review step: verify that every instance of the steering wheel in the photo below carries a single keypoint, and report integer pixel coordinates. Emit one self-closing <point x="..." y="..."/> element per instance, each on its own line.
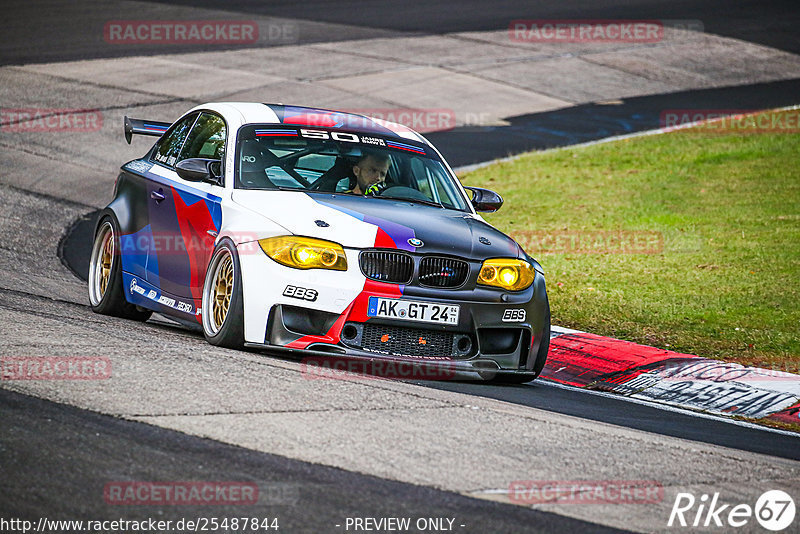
<point x="402" y="192"/>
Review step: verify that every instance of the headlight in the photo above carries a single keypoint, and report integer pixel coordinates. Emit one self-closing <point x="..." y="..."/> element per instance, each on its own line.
<point x="506" y="273"/>
<point x="305" y="252"/>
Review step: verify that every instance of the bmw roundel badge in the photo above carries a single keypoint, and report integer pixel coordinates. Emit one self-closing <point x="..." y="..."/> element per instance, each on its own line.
<point x="414" y="242"/>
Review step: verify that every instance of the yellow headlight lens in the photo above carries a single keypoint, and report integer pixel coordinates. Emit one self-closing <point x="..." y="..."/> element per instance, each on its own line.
<point x="305" y="252"/>
<point x="488" y="274"/>
<point x="506" y="273"/>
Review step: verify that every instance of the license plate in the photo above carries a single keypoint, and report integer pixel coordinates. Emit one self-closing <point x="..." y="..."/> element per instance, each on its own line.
<point x="412" y="310"/>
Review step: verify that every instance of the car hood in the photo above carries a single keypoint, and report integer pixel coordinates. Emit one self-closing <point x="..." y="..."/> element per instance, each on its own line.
<point x="363" y="222"/>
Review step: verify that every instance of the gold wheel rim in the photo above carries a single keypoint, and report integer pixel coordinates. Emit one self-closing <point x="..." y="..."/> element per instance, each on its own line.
<point x="106" y="256"/>
<point x="223" y="289"/>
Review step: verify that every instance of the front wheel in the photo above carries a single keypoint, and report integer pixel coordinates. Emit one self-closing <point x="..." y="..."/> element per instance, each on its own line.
<point x="518" y="378"/>
<point x="106" y="292"/>
<point x="222" y="309"/>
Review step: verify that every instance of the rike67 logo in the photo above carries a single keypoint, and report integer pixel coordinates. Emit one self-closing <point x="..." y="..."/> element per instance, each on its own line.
<point x="774" y="510"/>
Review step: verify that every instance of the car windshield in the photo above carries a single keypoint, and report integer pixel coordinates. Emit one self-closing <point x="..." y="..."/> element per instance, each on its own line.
<point x="321" y="160"/>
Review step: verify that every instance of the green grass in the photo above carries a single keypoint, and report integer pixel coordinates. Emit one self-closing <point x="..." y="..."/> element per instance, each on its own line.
<point x="723" y="283"/>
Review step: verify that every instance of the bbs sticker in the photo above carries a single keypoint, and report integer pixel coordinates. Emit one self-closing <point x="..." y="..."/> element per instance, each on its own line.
<point x="514" y="315"/>
<point x="301" y="293"/>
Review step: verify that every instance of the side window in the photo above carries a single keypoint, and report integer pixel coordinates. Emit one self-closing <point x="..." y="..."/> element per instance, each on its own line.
<point x="206" y="140"/>
<point x="444" y="188"/>
<point x="423" y="179"/>
<point x="170" y="146"/>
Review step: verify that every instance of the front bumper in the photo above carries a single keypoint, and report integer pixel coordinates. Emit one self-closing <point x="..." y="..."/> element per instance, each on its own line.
<point x="326" y="364"/>
<point x="496" y="331"/>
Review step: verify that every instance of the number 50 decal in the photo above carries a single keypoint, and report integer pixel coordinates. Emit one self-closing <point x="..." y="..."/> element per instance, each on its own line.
<point x="336" y="136"/>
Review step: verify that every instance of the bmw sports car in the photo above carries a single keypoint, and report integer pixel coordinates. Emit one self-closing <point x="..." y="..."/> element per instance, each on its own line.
<point x="318" y="232"/>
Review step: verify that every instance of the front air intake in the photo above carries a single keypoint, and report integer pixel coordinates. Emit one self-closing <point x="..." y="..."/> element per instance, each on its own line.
<point x="435" y="271"/>
<point x="387" y="266"/>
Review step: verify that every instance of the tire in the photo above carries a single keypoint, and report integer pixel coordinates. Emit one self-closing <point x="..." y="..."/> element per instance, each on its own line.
<point x="541" y="358"/>
<point x="223" y="304"/>
<point x="106" y="292"/>
<point x="518" y="378"/>
<point x="544" y="346"/>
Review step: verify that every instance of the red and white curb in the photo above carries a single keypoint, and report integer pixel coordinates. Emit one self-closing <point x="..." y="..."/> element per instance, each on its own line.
<point x="599" y="363"/>
<point x="643" y="373"/>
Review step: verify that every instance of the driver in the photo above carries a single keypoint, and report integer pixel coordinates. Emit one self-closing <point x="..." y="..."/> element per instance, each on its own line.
<point x="370" y="172"/>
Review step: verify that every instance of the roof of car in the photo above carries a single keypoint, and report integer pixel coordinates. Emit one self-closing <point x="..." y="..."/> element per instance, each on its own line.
<point x="316" y="118"/>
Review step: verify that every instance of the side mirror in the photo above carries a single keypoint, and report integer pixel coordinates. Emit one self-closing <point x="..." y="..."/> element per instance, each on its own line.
<point x="485" y="199"/>
<point x="199" y="170"/>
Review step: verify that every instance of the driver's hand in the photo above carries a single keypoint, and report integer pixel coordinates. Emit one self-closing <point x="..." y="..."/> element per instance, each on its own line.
<point x="375" y="189"/>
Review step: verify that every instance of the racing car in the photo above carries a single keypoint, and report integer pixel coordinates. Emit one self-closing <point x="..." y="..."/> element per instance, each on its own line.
<point x="317" y="232"/>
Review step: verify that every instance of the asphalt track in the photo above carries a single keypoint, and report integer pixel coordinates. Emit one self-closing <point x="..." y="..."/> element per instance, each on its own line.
<point x="67" y="30"/>
<point x="641" y="416"/>
<point x="90" y="447"/>
<point x="773" y="23"/>
<point x="55" y="458"/>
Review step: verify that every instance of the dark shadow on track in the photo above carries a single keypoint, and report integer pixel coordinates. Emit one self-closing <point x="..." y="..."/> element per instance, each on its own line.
<point x="75" y="246"/>
<point x="772" y="23"/>
<point x="575" y="402"/>
<point x="591" y="122"/>
<point x="74" y="30"/>
<point x="94" y="450"/>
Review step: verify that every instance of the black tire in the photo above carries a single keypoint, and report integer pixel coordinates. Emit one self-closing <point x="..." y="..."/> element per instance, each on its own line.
<point x="541" y="358"/>
<point x="106" y="291"/>
<point x="518" y="378"/>
<point x="223" y="329"/>
<point x="544" y="346"/>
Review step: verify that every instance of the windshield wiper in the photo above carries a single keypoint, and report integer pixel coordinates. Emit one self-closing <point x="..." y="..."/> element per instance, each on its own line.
<point x="427" y="202"/>
<point x="417" y="200"/>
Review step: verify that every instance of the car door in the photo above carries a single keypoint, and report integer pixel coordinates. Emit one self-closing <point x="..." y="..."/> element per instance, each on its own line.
<point x="185" y="216"/>
<point x="137" y="190"/>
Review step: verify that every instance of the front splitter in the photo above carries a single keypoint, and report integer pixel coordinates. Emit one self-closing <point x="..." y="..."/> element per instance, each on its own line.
<point x="321" y="364"/>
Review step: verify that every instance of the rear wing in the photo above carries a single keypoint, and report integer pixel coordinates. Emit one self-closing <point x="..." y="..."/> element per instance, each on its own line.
<point x="144" y="127"/>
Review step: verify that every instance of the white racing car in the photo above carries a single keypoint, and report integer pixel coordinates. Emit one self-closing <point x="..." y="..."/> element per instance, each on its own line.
<point x="318" y="231"/>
